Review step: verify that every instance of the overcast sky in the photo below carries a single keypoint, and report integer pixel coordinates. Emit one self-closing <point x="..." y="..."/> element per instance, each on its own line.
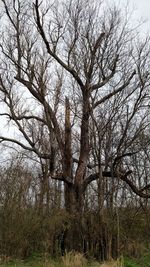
<point x="142" y="10"/>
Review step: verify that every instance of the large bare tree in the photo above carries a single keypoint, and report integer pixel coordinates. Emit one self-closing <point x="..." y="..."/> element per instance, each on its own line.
<point x="74" y="79"/>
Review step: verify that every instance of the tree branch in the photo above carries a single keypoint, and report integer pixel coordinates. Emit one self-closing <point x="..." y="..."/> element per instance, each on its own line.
<point x="53" y="54"/>
<point x="48" y="110"/>
<point x="90" y="166"/>
<point x="89" y="179"/>
<point x="102" y="100"/>
<point x="123" y="177"/>
<point x="33" y="149"/>
<point x="118" y="158"/>
<point x="63" y="178"/>
<point x="137" y="191"/>
<point x="106" y="80"/>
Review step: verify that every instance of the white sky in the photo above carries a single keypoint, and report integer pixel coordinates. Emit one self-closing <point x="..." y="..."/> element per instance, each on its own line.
<point x="141" y="10"/>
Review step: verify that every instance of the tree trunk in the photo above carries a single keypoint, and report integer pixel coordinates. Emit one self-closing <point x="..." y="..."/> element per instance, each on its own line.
<point x="73" y="237"/>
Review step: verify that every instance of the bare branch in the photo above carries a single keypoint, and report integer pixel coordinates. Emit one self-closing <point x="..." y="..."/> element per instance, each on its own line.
<point x="61" y="177"/>
<point x="43" y="35"/>
<point x="33" y="149"/>
<point x="102" y="100"/>
<point x="108" y="78"/>
<point x="137" y="191"/>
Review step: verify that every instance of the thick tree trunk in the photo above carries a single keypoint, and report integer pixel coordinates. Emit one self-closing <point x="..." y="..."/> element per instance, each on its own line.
<point x="73" y="237"/>
<point x="74" y="193"/>
<point x="74" y="199"/>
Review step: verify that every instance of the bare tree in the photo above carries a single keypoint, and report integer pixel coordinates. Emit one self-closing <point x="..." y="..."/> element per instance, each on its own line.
<point x="76" y="73"/>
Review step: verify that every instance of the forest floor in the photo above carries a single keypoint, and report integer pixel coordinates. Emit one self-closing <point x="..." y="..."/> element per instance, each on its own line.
<point x="79" y="261"/>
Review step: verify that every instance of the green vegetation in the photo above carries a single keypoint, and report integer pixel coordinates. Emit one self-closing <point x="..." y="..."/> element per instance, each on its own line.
<point x="75" y="260"/>
<point x="143" y="261"/>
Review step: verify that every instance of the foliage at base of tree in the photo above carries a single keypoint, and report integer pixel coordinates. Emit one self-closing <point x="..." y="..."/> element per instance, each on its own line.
<point x="74" y="260"/>
<point x="27" y="227"/>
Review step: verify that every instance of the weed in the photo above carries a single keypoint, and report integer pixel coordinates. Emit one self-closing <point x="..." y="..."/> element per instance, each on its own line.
<point x="72" y="259"/>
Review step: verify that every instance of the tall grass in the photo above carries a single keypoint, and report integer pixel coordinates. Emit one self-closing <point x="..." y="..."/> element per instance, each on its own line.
<point x="72" y="259"/>
<point x="117" y="263"/>
<point x="78" y="260"/>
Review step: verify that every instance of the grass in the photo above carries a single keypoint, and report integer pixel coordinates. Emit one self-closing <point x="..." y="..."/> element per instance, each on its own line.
<point x="143" y="261"/>
<point x="74" y="260"/>
<point x="68" y="261"/>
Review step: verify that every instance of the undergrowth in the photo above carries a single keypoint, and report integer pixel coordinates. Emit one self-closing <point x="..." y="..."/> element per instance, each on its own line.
<point x="74" y="260"/>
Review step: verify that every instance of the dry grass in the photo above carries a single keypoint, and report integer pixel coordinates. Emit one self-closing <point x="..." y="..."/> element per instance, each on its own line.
<point x="117" y="263"/>
<point x="78" y="260"/>
<point x="74" y="260"/>
<point x="71" y="259"/>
